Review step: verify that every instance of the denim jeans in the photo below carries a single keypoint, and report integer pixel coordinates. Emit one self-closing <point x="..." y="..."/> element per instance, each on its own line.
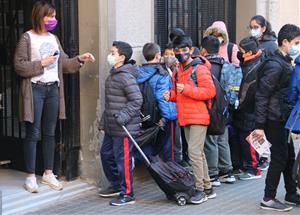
<point x="45" y="104"/>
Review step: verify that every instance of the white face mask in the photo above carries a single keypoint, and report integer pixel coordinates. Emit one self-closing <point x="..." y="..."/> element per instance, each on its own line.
<point x="256" y="33"/>
<point x="221" y="40"/>
<point x="111" y="60"/>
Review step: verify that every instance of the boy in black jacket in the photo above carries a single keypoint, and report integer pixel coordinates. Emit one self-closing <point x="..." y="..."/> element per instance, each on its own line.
<point x="244" y="117"/>
<point x="123" y="101"/>
<point x="271" y="112"/>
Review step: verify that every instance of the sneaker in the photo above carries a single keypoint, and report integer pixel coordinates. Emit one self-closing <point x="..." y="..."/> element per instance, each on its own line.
<point x="123" y="200"/>
<point x="292" y="199"/>
<point x="31" y="185"/>
<point x="109" y="192"/>
<point x="237" y="172"/>
<point x="227" y="178"/>
<point x="210" y="193"/>
<point x="215" y="181"/>
<point x="274" y="205"/>
<point x="198" y="198"/>
<point x="51" y="181"/>
<point x="248" y="176"/>
<point x="263" y="165"/>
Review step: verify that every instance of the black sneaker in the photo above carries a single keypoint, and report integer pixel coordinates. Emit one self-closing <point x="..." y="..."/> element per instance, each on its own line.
<point x="215" y="181"/>
<point x="123" y="200"/>
<point x="275" y="205"/>
<point x="227" y="178"/>
<point x="109" y="192"/>
<point x="210" y="193"/>
<point x="292" y="199"/>
<point x="198" y="198"/>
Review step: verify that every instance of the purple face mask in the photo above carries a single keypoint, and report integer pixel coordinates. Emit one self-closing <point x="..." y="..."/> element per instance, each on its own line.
<point x="50" y="26"/>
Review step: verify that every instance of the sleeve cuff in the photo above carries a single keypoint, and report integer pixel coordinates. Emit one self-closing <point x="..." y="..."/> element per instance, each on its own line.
<point x="259" y="125"/>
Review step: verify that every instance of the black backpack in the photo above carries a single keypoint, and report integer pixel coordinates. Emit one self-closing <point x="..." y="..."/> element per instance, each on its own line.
<point x="149" y="111"/>
<point x="217" y="107"/>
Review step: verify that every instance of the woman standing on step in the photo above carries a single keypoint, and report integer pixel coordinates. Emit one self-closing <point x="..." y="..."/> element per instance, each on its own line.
<point x="41" y="61"/>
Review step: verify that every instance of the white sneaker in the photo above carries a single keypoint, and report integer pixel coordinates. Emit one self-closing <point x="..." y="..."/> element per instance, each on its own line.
<point x="51" y="181"/>
<point x="31" y="185"/>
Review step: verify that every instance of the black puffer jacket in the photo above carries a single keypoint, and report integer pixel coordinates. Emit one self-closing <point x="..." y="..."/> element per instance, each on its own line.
<point x="272" y="90"/>
<point x="123" y="99"/>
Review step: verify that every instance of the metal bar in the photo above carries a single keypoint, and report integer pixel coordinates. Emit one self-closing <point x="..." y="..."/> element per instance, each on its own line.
<point x="136" y="145"/>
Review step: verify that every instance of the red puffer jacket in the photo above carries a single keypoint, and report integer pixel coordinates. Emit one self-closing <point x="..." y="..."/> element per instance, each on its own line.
<point x="190" y="103"/>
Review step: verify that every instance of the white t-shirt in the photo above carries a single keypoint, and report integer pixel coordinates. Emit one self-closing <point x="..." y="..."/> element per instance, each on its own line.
<point x="41" y="47"/>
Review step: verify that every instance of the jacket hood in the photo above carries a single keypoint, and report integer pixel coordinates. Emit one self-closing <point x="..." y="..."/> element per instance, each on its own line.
<point x="201" y="61"/>
<point x="269" y="37"/>
<point x="146" y="71"/>
<point x="126" y="68"/>
<point x="216" y="59"/>
<point x="219" y="27"/>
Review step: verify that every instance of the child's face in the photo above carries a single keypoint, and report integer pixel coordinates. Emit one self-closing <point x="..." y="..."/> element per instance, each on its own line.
<point x="286" y="45"/>
<point x="114" y="58"/>
<point x="169" y="53"/>
<point x="183" y="55"/>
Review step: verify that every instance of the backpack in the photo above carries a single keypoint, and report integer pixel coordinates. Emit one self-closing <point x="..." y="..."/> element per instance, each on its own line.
<point x="248" y="87"/>
<point x="229" y="51"/>
<point x="231" y="78"/>
<point x="149" y="111"/>
<point x="217" y="107"/>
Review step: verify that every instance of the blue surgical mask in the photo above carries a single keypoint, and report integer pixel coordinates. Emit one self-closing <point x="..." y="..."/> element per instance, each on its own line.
<point x="256" y="33"/>
<point x="294" y="50"/>
<point x="111" y="60"/>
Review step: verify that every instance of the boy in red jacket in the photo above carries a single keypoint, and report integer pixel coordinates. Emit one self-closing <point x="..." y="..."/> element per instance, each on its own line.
<point x="192" y="88"/>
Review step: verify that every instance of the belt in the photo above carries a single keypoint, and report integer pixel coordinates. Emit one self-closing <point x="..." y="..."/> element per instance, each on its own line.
<point x="46" y="83"/>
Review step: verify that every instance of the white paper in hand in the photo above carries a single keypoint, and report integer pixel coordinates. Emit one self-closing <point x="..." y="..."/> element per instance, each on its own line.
<point x="262" y="147"/>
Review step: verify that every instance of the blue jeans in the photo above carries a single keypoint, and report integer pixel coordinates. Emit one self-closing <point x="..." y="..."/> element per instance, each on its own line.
<point x="45" y="105"/>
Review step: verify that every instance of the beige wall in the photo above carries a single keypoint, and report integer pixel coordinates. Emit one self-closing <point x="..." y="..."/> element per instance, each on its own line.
<point x="278" y="12"/>
<point x="100" y="23"/>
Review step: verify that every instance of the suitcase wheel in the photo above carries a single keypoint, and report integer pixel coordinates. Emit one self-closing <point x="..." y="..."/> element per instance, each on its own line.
<point x="181" y="201"/>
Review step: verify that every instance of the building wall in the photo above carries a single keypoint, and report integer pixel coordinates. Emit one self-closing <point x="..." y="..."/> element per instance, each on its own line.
<point x="100" y="23"/>
<point x="277" y="12"/>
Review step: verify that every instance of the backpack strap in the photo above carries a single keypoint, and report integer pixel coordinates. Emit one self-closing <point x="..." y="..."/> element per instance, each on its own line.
<point x="229" y="51"/>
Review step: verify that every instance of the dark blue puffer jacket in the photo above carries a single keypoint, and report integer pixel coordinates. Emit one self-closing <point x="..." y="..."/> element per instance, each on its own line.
<point x="160" y="81"/>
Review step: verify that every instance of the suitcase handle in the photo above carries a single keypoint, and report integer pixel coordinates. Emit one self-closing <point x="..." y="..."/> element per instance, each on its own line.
<point x="136" y="145"/>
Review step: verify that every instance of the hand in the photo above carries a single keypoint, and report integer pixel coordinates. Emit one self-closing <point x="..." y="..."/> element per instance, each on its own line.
<point x="120" y="121"/>
<point x="167" y="95"/>
<point x="48" y="60"/>
<point x="162" y="123"/>
<point x="179" y="87"/>
<point x="86" y="57"/>
<point x="258" y="135"/>
<point x="102" y="131"/>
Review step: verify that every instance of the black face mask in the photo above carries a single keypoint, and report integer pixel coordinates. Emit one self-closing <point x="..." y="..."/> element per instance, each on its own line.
<point x="240" y="56"/>
<point x="182" y="58"/>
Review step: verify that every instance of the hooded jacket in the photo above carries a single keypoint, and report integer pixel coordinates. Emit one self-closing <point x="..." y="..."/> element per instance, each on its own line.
<point x="122" y="99"/>
<point x="293" y="122"/>
<point x="191" y="102"/>
<point x="220" y="27"/>
<point x="268" y="44"/>
<point x="160" y="82"/>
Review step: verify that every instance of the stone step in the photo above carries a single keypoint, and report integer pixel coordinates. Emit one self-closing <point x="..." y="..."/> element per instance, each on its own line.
<point x="22" y="202"/>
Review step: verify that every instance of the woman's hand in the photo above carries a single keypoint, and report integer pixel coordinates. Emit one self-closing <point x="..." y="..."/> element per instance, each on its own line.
<point x="86" y="57"/>
<point x="258" y="135"/>
<point x="48" y="60"/>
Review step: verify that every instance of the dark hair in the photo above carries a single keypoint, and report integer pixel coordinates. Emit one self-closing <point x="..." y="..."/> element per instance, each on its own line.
<point x="123" y="49"/>
<point x="150" y="50"/>
<point x="264" y="23"/>
<point x="211" y="44"/>
<point x="289" y="32"/>
<point x="249" y="44"/>
<point x="39" y="11"/>
<point x="169" y="46"/>
<point x="182" y="42"/>
<point x="175" y="33"/>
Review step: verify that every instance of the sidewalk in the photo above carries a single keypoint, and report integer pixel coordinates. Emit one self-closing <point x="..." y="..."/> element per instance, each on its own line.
<point x="243" y="197"/>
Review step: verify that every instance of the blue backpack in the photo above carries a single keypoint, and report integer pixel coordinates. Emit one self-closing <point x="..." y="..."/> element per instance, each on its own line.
<point x="231" y="79"/>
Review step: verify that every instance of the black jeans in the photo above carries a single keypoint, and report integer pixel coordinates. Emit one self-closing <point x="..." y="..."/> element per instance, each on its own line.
<point x="45" y="104"/>
<point x="282" y="159"/>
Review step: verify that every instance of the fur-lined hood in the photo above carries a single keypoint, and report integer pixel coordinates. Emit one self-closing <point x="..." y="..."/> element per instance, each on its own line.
<point x="219" y="27"/>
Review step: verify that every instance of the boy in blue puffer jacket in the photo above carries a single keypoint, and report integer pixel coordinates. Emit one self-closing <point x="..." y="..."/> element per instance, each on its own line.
<point x="160" y="81"/>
